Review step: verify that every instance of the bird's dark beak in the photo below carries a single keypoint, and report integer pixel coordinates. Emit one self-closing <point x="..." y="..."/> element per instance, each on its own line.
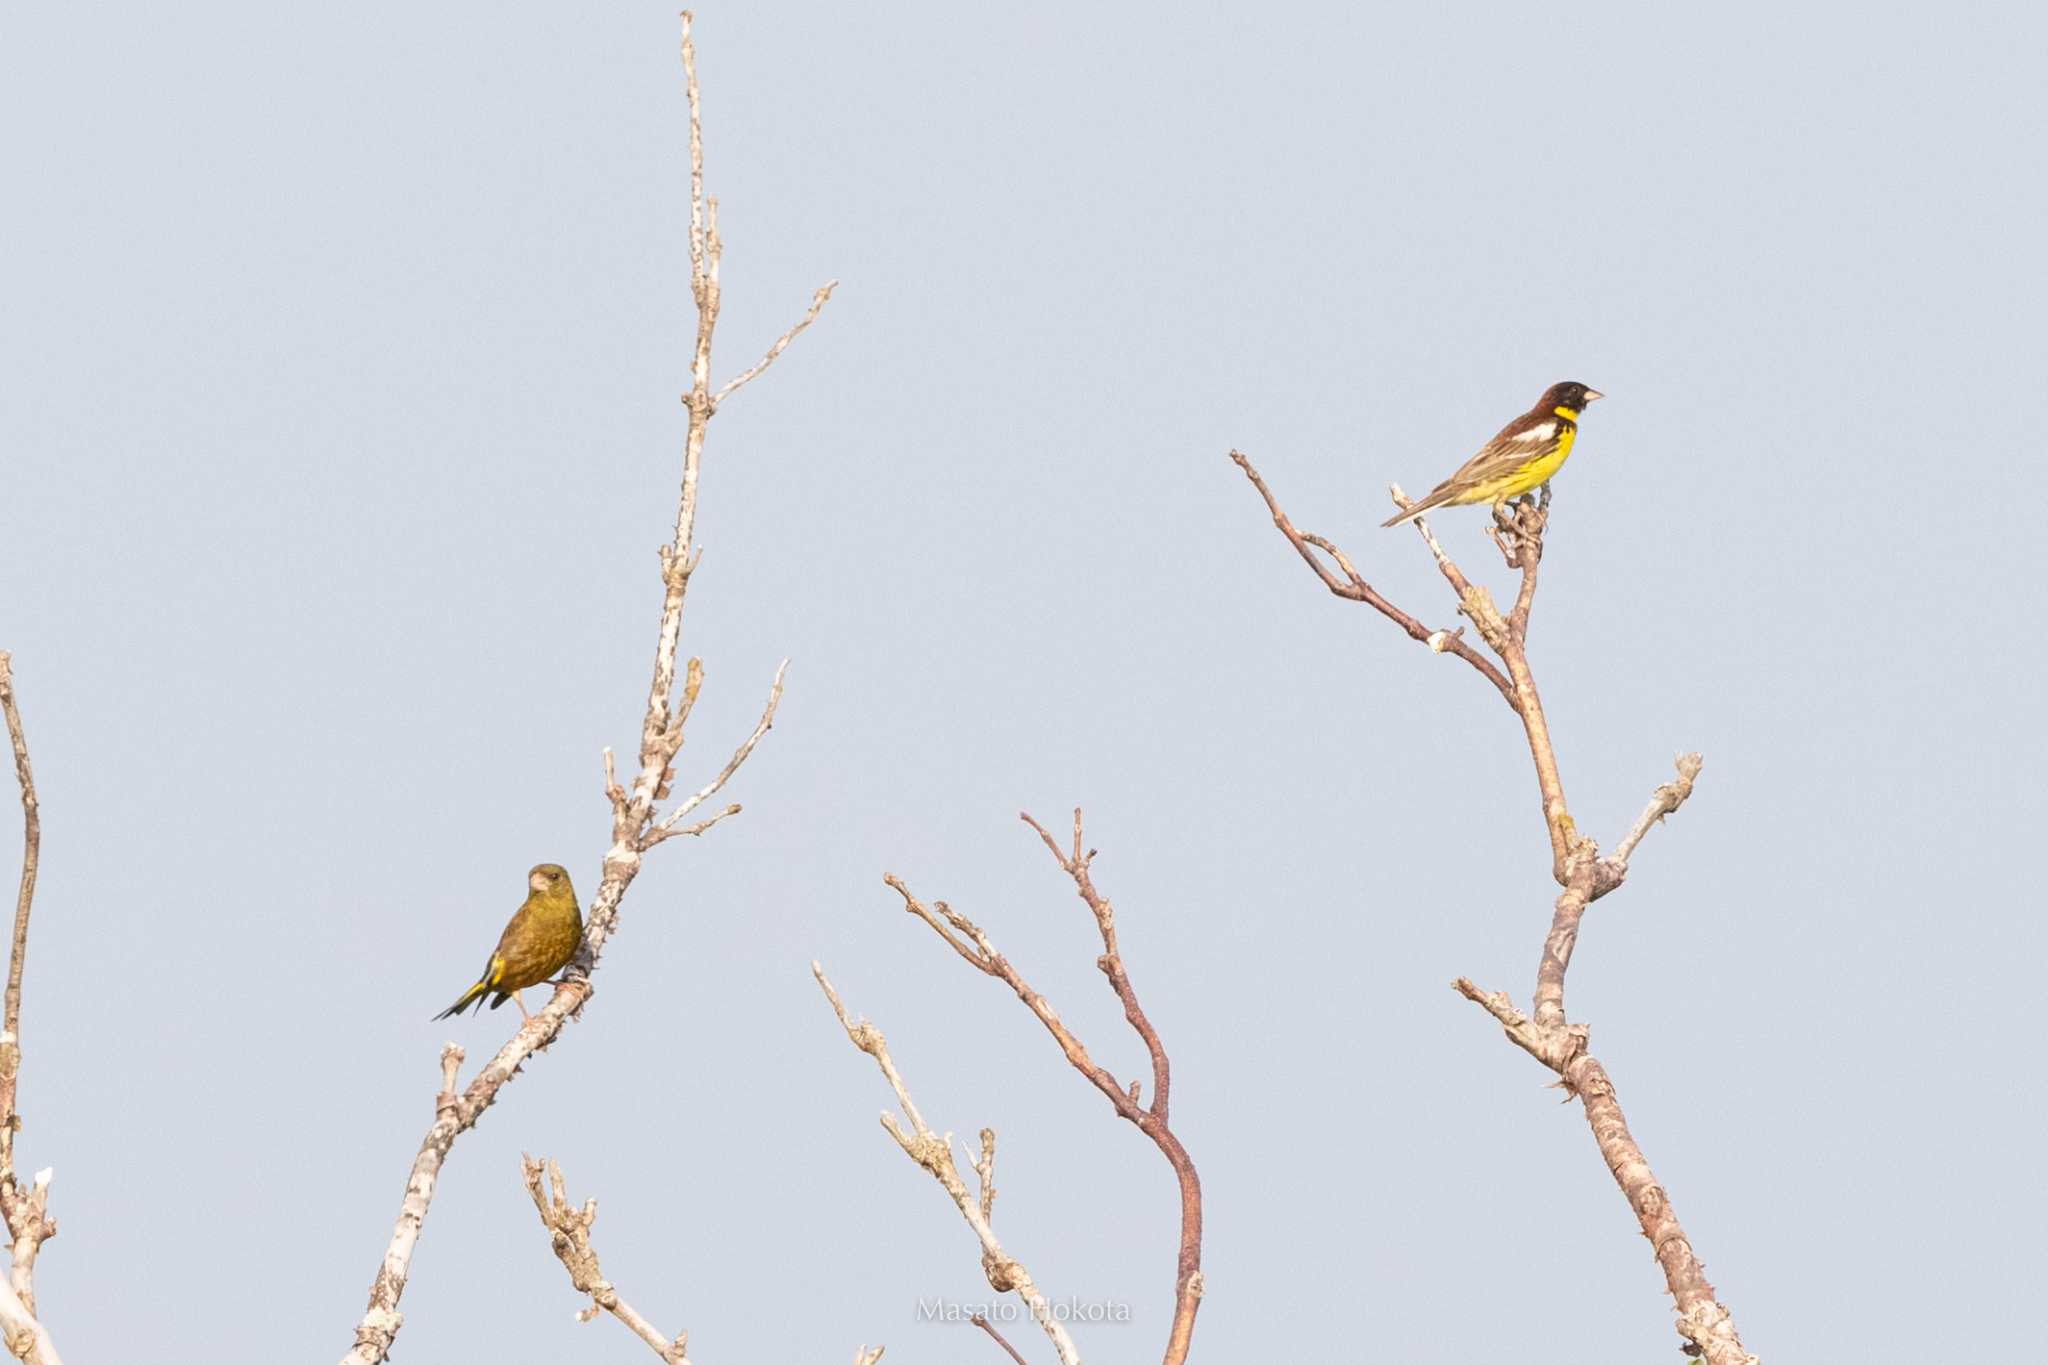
<point x="1592" y="394"/>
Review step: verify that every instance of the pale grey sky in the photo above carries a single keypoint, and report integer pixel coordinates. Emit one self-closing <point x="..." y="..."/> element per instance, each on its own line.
<point x="340" y="420"/>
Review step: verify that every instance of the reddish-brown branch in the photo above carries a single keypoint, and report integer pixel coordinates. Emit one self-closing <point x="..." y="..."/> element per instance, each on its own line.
<point x="1503" y="634"/>
<point x="1577" y="867"/>
<point x="1559" y="942"/>
<point x="1557" y="820"/>
<point x="968" y="940"/>
<point x="29" y="1224"/>
<point x="985" y="1325"/>
<point x="1075" y="865"/>
<point x="1353" y="588"/>
<point x="1550" y="1037"/>
<point x="1703" y="1320"/>
<point x="24" y="901"/>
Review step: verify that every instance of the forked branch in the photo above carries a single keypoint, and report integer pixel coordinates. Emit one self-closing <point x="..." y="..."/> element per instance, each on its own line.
<point x="1346" y="582"/>
<point x="636" y="828"/>
<point x="934" y="1152"/>
<point x="972" y="944"/>
<point x="568" y="1226"/>
<point x="1582" y="875"/>
<point x="569" y="1234"/>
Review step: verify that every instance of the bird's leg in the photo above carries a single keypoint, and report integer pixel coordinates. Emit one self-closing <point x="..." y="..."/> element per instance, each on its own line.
<point x="1533" y="516"/>
<point x="523" y="1015"/>
<point x="1517" y="528"/>
<point x="1502" y="532"/>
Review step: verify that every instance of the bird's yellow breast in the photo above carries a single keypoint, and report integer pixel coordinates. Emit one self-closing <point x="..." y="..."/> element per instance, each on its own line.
<point x="1534" y="473"/>
<point x="1540" y="469"/>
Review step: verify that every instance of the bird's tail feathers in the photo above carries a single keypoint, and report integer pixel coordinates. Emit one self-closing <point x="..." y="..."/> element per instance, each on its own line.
<point x="1434" y="500"/>
<point x="474" y="995"/>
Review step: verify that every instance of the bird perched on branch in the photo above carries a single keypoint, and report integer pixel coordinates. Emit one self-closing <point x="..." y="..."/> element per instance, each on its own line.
<point x="1519" y="460"/>
<point x="538" y="942"/>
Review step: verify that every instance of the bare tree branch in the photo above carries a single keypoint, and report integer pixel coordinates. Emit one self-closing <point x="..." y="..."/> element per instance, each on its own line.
<point x="568" y="1229"/>
<point x="985" y="1171"/>
<point x="1353" y="588"/>
<point x="1444" y="563"/>
<point x="1702" y="1319"/>
<point x="1503" y="635"/>
<point x="29" y="1224"/>
<point x="655" y="836"/>
<point x="634" y="830"/>
<point x="24" y="902"/>
<point x="985" y="1325"/>
<point x="935" y="1154"/>
<point x="1152" y="1120"/>
<point x="1664" y="801"/>
<point x="810" y="316"/>
<point x="569" y="1234"/>
<point x="732" y="765"/>
<point x="1583" y="876"/>
<point x="1518" y="531"/>
<point x="1550" y="1037"/>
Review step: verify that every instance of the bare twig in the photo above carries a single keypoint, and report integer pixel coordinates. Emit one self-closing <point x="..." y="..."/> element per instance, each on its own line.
<point x="1353" y="588"/>
<point x="985" y="1171"/>
<point x="781" y="344"/>
<point x="732" y="765"/>
<point x="1664" y="801"/>
<point x="569" y="1234"/>
<point x="29" y="1224"/>
<point x="1445" y="565"/>
<point x="959" y="932"/>
<point x="633" y="805"/>
<point x="985" y="1325"/>
<point x="655" y="836"/>
<point x="934" y="1153"/>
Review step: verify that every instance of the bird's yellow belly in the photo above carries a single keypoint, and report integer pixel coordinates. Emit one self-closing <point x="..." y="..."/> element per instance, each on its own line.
<point x="1532" y="475"/>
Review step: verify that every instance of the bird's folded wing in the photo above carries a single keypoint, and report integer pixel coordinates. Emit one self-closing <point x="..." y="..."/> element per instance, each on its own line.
<point x="1518" y="443"/>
